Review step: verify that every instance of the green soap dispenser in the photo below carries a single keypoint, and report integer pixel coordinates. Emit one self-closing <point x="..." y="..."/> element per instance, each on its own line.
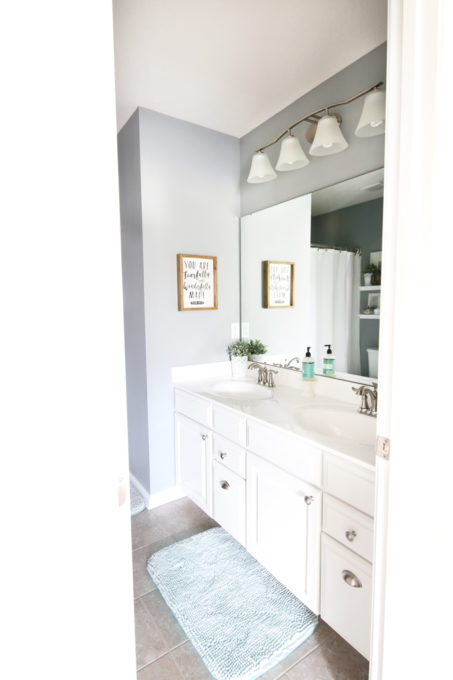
<point x="328" y="363"/>
<point x="308" y="366"/>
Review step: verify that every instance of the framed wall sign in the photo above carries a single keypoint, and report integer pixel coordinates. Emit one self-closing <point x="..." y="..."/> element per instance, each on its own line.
<point x="197" y="282"/>
<point x="278" y="284"/>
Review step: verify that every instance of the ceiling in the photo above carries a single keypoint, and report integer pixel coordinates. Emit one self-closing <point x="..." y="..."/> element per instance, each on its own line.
<point x="351" y="192"/>
<point x="231" y="64"/>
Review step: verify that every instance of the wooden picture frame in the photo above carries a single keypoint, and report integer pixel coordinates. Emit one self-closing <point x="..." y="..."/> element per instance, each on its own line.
<point x="278" y="284"/>
<point x="197" y="282"/>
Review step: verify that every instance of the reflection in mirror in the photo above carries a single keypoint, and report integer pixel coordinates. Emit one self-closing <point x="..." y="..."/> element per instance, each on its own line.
<point x="330" y="237"/>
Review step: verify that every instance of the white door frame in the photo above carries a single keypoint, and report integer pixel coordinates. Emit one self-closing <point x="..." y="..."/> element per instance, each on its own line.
<point x="412" y="515"/>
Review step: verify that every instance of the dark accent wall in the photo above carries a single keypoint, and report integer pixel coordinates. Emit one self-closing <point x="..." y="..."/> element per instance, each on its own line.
<point x="358" y="226"/>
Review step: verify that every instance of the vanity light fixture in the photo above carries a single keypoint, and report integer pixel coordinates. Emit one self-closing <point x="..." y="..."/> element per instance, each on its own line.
<point x="324" y="134"/>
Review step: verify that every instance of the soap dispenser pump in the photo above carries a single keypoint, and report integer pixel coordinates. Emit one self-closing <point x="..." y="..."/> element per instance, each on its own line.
<point x="308" y="366"/>
<point x="328" y="364"/>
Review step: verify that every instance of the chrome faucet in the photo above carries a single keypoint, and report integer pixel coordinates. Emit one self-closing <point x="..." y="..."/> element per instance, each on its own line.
<point x="369" y="399"/>
<point x="288" y="363"/>
<point x="270" y="378"/>
<point x="265" y="376"/>
<point x="260" y="371"/>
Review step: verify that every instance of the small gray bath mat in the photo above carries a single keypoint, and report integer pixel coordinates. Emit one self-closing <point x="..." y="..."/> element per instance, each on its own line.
<point x="137" y="502"/>
<point x="239" y="618"/>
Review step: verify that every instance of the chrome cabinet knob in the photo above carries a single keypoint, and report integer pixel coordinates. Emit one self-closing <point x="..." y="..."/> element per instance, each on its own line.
<point x="204" y="437"/>
<point x="350" y="535"/>
<point x="309" y="500"/>
<point x="351" y="579"/>
<point x="224" y="484"/>
<point x="222" y="454"/>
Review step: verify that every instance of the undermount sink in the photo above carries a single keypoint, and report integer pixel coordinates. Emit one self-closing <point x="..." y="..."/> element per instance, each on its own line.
<point x="242" y="390"/>
<point x="339" y="423"/>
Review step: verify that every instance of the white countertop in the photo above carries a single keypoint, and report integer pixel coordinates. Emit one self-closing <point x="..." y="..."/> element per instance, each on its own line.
<point x="285" y="410"/>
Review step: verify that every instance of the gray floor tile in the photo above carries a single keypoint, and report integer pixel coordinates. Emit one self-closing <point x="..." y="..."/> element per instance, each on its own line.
<point x="180" y="515"/>
<point x="156" y="630"/>
<point x="142" y="581"/>
<point x="147" y="528"/>
<point x="332" y="660"/>
<point x="189" y="663"/>
<point x="162" y="669"/>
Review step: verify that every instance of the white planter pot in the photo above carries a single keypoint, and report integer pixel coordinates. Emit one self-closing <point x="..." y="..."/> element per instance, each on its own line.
<point x="367" y="278"/>
<point x="239" y="367"/>
<point x="257" y="357"/>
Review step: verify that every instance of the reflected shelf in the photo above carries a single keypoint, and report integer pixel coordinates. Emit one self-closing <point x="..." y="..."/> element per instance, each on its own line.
<point x="369" y="316"/>
<point x="370" y="288"/>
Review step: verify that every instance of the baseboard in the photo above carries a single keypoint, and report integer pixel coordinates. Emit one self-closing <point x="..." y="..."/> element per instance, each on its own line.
<point x="153" y="500"/>
<point x="162" y="497"/>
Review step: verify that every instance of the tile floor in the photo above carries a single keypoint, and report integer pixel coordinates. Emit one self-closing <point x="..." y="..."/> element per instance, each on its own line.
<point x="163" y="651"/>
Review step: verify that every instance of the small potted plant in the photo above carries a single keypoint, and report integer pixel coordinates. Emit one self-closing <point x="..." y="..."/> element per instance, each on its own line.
<point x="256" y="350"/>
<point x="368" y="273"/>
<point x="238" y="352"/>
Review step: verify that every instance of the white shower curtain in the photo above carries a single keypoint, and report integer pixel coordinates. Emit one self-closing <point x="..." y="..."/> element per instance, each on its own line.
<point x="335" y="281"/>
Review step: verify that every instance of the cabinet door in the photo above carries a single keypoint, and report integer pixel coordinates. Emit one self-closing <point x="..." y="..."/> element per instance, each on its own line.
<point x="193" y="454"/>
<point x="283" y="527"/>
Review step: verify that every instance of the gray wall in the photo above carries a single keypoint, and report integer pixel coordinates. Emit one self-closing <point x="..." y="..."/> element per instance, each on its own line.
<point x="363" y="154"/>
<point x="189" y="204"/>
<point x="356" y="226"/>
<point x="133" y="296"/>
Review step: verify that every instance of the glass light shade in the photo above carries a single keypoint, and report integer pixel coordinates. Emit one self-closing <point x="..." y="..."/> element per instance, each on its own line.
<point x="372" y="120"/>
<point x="261" y="169"/>
<point x="328" y="138"/>
<point x="291" y="155"/>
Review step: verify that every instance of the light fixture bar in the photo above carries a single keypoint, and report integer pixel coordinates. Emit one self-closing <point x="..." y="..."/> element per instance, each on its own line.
<point x="315" y="114"/>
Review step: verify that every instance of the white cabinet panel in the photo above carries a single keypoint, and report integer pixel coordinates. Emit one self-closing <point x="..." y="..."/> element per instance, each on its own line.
<point x="230" y="424"/>
<point x="348" y="526"/>
<point x="352" y="483"/>
<point x="286" y="450"/>
<point x="193" y="407"/>
<point x="346" y="594"/>
<point x="228" y="501"/>
<point x="193" y="455"/>
<point x="283" y="527"/>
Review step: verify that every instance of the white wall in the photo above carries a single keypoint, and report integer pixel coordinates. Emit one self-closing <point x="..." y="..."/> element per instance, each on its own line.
<point x="189" y="204"/>
<point x="67" y="600"/>
<point x="281" y="232"/>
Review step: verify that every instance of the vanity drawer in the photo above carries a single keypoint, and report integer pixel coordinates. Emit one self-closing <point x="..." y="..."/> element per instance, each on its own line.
<point x="230" y="455"/>
<point x="348" y="526"/>
<point x="346" y="594"/>
<point x="230" y="424"/>
<point x="351" y="483"/>
<point x="287" y="451"/>
<point x="193" y="407"/>
<point x="229" y="501"/>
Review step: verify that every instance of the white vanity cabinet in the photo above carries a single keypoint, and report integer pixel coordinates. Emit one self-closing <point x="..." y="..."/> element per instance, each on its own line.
<point x="283" y="527"/>
<point x="304" y="513"/>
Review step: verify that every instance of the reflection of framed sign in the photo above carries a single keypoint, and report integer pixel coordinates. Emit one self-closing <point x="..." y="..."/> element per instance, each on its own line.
<point x="278" y="284"/>
<point x="197" y="282"/>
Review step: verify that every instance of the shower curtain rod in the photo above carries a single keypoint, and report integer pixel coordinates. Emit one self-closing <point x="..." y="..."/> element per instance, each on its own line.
<point x="356" y="251"/>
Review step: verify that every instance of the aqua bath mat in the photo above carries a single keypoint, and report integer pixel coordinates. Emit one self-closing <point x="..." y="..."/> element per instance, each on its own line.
<point x="137" y="502"/>
<point x="239" y="618"/>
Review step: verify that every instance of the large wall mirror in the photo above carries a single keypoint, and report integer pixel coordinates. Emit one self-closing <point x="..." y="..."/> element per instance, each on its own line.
<point x="303" y="282"/>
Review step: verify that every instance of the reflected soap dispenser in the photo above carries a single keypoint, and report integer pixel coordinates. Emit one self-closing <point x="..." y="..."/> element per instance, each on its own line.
<point x="308" y="366"/>
<point x="328" y="363"/>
